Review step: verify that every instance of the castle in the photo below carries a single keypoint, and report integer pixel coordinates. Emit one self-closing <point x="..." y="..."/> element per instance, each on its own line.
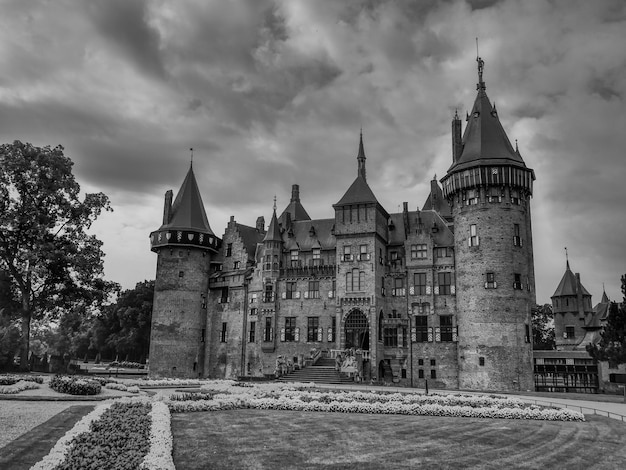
<point x="440" y="294"/>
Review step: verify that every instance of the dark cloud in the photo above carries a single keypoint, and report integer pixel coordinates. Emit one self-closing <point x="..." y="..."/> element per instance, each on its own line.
<point x="125" y="25"/>
<point x="271" y="93"/>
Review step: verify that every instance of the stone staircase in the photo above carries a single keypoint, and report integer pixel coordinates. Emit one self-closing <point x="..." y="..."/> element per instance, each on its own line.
<point x="323" y="372"/>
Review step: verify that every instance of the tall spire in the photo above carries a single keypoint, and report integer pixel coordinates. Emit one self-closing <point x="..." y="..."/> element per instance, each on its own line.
<point x="273" y="231"/>
<point x="361" y="158"/>
<point x="566" y="260"/>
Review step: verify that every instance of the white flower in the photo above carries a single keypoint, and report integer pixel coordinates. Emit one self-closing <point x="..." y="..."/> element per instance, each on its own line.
<point x="159" y="457"/>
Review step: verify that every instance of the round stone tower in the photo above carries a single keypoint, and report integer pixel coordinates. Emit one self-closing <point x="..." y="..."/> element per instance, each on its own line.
<point x="185" y="245"/>
<point x="489" y="188"/>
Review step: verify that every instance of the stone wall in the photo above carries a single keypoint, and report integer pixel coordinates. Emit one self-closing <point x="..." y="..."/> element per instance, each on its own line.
<point x="179" y="330"/>
<point x="495" y="352"/>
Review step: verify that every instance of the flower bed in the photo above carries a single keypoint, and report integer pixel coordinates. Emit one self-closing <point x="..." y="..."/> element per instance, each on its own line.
<point x="122" y="387"/>
<point x="17" y="387"/>
<point x="163" y="382"/>
<point x="11" y="379"/>
<point x="285" y="397"/>
<point x="128" y="434"/>
<point x="75" y="385"/>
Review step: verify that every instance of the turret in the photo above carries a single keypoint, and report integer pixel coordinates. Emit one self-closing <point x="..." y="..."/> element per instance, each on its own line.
<point x="185" y="245"/>
<point x="571" y="304"/>
<point x="489" y="187"/>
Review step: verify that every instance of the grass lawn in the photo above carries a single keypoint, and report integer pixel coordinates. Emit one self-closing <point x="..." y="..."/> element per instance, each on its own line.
<point x="263" y="439"/>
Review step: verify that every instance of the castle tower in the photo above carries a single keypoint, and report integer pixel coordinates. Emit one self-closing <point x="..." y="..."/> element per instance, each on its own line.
<point x="489" y="188"/>
<point x="571" y="304"/>
<point x="361" y="233"/>
<point x="185" y="245"/>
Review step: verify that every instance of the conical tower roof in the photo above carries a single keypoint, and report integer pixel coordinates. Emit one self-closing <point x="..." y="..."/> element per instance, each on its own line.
<point x="359" y="191"/>
<point x="184" y="221"/>
<point x="484" y="141"/>
<point x="569" y="285"/>
<point x="273" y="231"/>
<point x="187" y="209"/>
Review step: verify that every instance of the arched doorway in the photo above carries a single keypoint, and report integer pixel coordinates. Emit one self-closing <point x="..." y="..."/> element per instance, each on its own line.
<point x="357" y="330"/>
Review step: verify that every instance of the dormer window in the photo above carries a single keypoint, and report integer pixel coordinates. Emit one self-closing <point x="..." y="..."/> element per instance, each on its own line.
<point x="317" y="255"/>
<point x="294" y="258"/>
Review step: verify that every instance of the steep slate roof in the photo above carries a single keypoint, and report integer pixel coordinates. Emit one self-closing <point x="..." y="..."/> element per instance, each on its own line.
<point x="250" y="236"/>
<point x="568" y="285"/>
<point x="442" y="237"/>
<point x="273" y="231"/>
<point x="484" y="141"/>
<point x="295" y="208"/>
<point x="436" y="201"/>
<point x="359" y="192"/>
<point x="187" y="209"/>
<point x="322" y="238"/>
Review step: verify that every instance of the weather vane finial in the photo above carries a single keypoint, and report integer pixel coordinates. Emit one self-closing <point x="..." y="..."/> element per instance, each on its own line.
<point x="274" y="202"/>
<point x="481" y="67"/>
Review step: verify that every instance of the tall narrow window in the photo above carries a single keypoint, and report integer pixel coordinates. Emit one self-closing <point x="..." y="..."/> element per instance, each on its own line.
<point x="445" y="283"/>
<point x="291" y="290"/>
<point x="267" y="333"/>
<point x="347" y="253"/>
<point x="268" y="293"/>
<point x="313" y="324"/>
<point x="314" y="289"/>
<point x="398" y="287"/>
<point x="224" y="332"/>
<point x="290" y="328"/>
<point x="517" y="281"/>
<point x="445" y="323"/>
<point x="490" y="283"/>
<point x="363" y="254"/>
<point x="229" y="249"/>
<point x="333" y="329"/>
<point x="390" y="337"/>
<point x="517" y="240"/>
<point x="294" y="258"/>
<point x="419" y="280"/>
<point x="317" y="256"/>
<point x="473" y="239"/>
<point x="252" y="332"/>
<point x="421" y="328"/>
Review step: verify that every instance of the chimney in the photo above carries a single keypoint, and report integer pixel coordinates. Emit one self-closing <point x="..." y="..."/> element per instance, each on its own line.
<point x="295" y="193"/>
<point x="434" y="191"/>
<point x="405" y="216"/>
<point x="167" y="209"/>
<point x="457" y="143"/>
<point x="260" y="224"/>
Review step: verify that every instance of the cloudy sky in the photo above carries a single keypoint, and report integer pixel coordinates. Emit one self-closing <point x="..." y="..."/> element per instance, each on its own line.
<point x="274" y="92"/>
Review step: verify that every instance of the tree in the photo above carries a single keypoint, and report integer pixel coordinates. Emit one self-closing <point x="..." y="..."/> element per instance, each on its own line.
<point x="44" y="247"/>
<point x="612" y="345"/>
<point x="123" y="328"/>
<point x="543" y="327"/>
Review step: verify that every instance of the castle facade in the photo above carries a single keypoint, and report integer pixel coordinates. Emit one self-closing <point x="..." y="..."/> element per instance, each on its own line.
<point x="440" y="294"/>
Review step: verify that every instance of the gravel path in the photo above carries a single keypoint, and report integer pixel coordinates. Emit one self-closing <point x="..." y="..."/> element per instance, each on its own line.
<point x="18" y="417"/>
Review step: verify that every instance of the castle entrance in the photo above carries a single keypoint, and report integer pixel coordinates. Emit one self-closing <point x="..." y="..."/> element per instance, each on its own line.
<point x="357" y="331"/>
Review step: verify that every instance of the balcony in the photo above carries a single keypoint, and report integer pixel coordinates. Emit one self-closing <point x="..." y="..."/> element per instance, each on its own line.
<point x="352" y="301"/>
<point x="309" y="271"/>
